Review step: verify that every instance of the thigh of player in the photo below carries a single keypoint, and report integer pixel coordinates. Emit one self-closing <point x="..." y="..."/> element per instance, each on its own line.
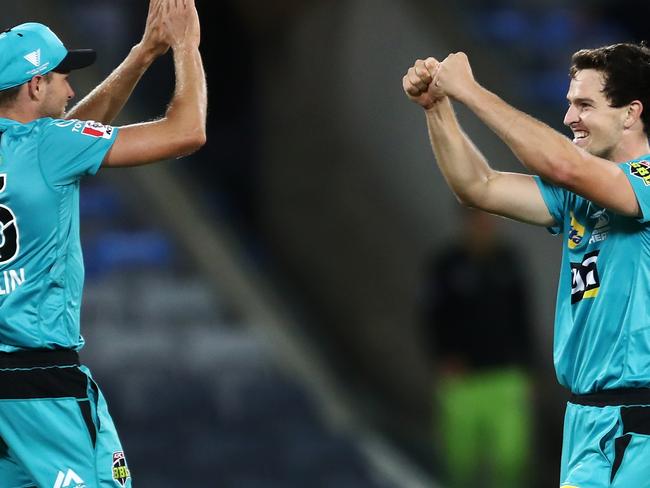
<point x="632" y="449"/>
<point x="60" y="441"/>
<point x="587" y="446"/>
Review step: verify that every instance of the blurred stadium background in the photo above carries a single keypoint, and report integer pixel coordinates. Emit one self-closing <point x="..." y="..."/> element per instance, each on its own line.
<point x="251" y="312"/>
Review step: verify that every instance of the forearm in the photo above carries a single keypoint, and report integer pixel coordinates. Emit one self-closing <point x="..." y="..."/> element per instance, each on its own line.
<point x="188" y="109"/>
<point x="106" y="101"/>
<point x="543" y="150"/>
<point x="461" y="163"/>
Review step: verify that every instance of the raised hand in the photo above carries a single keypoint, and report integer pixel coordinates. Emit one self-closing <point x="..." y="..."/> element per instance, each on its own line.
<point x="454" y="76"/>
<point x="418" y="83"/>
<point x="181" y="23"/>
<point x="154" y="40"/>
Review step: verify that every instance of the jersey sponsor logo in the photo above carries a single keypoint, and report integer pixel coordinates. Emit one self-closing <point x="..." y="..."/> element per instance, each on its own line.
<point x="121" y="471"/>
<point x="641" y="169"/>
<point x="585" y="282"/>
<point x="601" y="229"/>
<point x="576" y="233"/>
<point x="70" y="479"/>
<point x="34" y="57"/>
<point x="95" y="129"/>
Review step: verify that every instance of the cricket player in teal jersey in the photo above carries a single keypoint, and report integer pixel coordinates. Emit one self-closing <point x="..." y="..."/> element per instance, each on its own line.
<point x="595" y="191"/>
<point x="55" y="429"/>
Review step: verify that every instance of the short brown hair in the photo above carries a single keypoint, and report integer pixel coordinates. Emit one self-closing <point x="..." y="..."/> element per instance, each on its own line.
<point x="626" y="72"/>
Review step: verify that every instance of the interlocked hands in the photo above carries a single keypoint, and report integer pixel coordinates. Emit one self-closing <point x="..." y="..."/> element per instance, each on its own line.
<point x="428" y="81"/>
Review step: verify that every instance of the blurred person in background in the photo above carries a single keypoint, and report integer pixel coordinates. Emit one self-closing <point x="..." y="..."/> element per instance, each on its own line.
<point x="594" y="190"/>
<point x="478" y="326"/>
<point x="66" y="437"/>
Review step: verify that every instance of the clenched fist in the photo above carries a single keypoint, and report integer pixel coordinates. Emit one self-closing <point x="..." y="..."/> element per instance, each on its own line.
<point x="454" y="76"/>
<point x="418" y="83"/>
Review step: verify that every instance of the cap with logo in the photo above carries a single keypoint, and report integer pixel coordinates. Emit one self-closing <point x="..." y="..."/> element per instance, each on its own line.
<point x="32" y="49"/>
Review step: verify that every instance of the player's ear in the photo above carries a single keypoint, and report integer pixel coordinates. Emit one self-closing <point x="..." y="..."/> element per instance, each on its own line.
<point x="633" y="114"/>
<point x="35" y="87"/>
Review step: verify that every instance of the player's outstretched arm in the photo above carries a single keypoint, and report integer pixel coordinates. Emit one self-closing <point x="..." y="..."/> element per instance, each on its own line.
<point x="465" y="169"/>
<point x="182" y="130"/>
<point x="540" y="148"/>
<point x="106" y="101"/>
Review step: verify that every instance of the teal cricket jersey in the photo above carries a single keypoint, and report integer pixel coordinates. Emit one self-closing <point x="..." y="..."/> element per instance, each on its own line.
<point x="41" y="266"/>
<point x="602" y="317"/>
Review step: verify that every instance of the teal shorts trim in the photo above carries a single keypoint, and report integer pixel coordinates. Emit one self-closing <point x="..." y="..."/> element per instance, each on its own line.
<point x="606" y="446"/>
<point x="56" y="432"/>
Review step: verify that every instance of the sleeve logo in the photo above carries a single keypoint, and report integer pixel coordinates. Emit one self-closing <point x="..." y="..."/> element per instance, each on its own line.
<point x="641" y="169"/>
<point x="121" y="471"/>
<point x="95" y="129"/>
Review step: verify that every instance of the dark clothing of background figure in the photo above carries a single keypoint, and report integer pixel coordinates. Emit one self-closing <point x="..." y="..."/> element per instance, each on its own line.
<point x="477" y="308"/>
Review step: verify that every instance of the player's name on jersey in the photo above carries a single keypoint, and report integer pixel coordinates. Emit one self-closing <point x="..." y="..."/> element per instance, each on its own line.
<point x="10" y="280"/>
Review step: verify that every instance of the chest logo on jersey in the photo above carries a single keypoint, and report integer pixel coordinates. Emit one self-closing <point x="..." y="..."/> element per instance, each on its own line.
<point x="641" y="169"/>
<point x="585" y="282"/>
<point x="601" y="227"/>
<point x="576" y="233"/>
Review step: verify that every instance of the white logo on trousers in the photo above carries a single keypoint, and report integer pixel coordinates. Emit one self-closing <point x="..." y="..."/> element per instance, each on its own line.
<point x="66" y="480"/>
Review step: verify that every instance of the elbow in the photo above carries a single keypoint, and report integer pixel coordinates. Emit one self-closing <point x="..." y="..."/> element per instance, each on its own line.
<point x="476" y="193"/>
<point x="463" y="200"/>
<point x="187" y="130"/>
<point x="470" y="204"/>
<point x="198" y="140"/>
<point x="192" y="141"/>
<point x="467" y="199"/>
